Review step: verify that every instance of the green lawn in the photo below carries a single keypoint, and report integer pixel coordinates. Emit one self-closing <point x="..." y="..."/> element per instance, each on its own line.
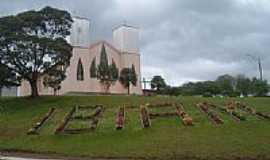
<point x="166" y="139"/>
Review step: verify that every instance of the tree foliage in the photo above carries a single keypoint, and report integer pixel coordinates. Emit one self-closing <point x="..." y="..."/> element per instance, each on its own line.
<point x="54" y="79"/>
<point x="93" y="69"/>
<point x="224" y="85"/>
<point x="33" y="43"/>
<point x="80" y="71"/>
<point x="243" y="85"/>
<point x="114" y="71"/>
<point x="158" y="83"/>
<point x="259" y="87"/>
<point x="127" y="77"/>
<point x="134" y="78"/>
<point x="7" y="77"/>
<point x="106" y="73"/>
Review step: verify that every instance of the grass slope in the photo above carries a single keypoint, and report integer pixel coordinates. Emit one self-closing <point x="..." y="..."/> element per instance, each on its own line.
<point x="167" y="138"/>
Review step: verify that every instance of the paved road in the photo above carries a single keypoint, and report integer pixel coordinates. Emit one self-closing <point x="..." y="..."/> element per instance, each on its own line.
<point x="16" y="158"/>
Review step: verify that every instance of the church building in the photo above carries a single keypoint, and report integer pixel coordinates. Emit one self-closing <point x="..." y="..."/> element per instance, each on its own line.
<point x="123" y="51"/>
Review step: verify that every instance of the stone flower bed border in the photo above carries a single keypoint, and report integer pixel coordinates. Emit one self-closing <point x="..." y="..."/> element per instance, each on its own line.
<point x="94" y="119"/>
<point x="120" y="118"/>
<point x="63" y="124"/>
<point x="166" y="114"/>
<point x="229" y="110"/>
<point x="39" y="124"/>
<point x="144" y="116"/>
<point x="213" y="117"/>
<point x="89" y="117"/>
<point x="186" y="119"/>
<point x="150" y="105"/>
<point x="161" y="105"/>
<point x="252" y="111"/>
<point x="97" y="116"/>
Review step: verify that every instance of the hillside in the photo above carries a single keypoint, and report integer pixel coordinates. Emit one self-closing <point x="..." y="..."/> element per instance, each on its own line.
<point x="166" y="138"/>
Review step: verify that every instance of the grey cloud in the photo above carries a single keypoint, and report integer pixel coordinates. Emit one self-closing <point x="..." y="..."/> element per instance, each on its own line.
<point x="180" y="39"/>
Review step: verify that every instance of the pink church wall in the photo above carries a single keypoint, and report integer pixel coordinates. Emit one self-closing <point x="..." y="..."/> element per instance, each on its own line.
<point x="71" y="84"/>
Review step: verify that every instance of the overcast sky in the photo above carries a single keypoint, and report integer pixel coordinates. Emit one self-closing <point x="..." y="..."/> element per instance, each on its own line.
<point x="182" y="40"/>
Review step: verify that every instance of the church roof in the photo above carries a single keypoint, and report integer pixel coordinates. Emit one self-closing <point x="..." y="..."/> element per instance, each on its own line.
<point x="125" y="25"/>
<point x="106" y="43"/>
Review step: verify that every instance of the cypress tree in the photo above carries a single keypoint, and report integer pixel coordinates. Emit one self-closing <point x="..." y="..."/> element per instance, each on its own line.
<point x="107" y="74"/>
<point x="80" y="72"/>
<point x="114" y="71"/>
<point x="93" y="69"/>
<point x="104" y="72"/>
<point x="133" y="76"/>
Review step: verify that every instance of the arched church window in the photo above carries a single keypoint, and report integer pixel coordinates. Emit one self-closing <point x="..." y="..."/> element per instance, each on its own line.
<point x="80" y="75"/>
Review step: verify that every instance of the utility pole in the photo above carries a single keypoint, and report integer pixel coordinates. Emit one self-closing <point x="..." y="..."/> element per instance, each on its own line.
<point x="257" y="60"/>
<point x="260" y="68"/>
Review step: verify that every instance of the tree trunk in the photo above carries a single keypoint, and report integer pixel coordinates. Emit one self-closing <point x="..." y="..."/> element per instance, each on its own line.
<point x="128" y="88"/>
<point x="34" y="89"/>
<point x="54" y="92"/>
<point x="33" y="84"/>
<point x="106" y="87"/>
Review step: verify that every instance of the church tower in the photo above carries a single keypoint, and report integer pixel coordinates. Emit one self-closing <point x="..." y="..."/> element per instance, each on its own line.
<point x="79" y="34"/>
<point x="126" y="40"/>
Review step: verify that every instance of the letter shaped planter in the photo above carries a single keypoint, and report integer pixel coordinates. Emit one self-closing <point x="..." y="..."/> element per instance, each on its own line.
<point x="145" y="119"/>
<point x="120" y="118"/>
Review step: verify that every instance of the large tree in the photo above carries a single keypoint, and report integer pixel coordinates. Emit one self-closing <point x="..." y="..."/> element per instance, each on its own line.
<point x="259" y="87"/>
<point x="7" y="77"/>
<point x="127" y="77"/>
<point x="33" y="43"/>
<point x="158" y="83"/>
<point x="243" y="85"/>
<point x="106" y="73"/>
<point x="226" y="83"/>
